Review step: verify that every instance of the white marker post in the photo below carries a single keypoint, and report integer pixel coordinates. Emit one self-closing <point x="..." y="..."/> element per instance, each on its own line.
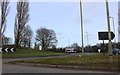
<point x="99" y="50"/>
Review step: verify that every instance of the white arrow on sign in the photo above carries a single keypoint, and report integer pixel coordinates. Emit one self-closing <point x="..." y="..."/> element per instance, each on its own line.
<point x="12" y="49"/>
<point x="0" y="50"/>
<point x="6" y="49"/>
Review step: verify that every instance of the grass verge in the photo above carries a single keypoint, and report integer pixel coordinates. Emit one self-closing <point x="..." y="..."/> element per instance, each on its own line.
<point x="29" y="53"/>
<point x="92" y="61"/>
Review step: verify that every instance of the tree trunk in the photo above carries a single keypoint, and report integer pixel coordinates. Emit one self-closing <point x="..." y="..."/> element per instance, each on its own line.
<point x="17" y="43"/>
<point x="29" y="43"/>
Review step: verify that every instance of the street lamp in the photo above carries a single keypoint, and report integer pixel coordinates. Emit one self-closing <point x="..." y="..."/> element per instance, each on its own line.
<point x="113" y="26"/>
<point x="68" y="42"/>
<point x="109" y="33"/>
<point x="113" y="29"/>
<point x="87" y="39"/>
<point x="81" y="26"/>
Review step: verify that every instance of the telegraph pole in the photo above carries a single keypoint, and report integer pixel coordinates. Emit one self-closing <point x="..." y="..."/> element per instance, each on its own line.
<point x="109" y="32"/>
<point x="81" y="27"/>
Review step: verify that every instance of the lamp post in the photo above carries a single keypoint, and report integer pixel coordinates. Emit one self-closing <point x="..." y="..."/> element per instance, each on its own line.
<point x="113" y="27"/>
<point x="87" y="39"/>
<point x="68" y="42"/>
<point x="0" y="36"/>
<point x="82" y="27"/>
<point x="0" y="32"/>
<point x="0" y="40"/>
<point x="113" y="30"/>
<point x="109" y="32"/>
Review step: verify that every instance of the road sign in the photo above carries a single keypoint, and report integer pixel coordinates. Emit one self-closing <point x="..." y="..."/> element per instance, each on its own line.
<point x="7" y="50"/>
<point x="0" y="50"/>
<point x="104" y="35"/>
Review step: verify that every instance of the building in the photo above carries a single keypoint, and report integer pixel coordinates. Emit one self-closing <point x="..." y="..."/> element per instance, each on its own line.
<point x="119" y="21"/>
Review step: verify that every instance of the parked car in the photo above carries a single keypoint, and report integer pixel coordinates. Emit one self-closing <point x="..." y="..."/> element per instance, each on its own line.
<point x="70" y="50"/>
<point x="115" y="51"/>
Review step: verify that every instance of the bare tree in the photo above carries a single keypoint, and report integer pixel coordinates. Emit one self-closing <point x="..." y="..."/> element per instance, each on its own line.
<point x="26" y="36"/>
<point x="4" y="12"/>
<point x="6" y="40"/>
<point x="46" y="38"/>
<point x="21" y="20"/>
<point x="75" y="46"/>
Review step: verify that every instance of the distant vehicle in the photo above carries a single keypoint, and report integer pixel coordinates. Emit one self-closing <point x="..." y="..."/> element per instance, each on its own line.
<point x="115" y="51"/>
<point x="70" y="50"/>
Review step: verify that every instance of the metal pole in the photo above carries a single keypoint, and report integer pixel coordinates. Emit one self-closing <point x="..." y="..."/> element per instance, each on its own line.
<point x="87" y="39"/>
<point x="0" y="30"/>
<point x="0" y="36"/>
<point x="113" y="27"/>
<point x="0" y="40"/>
<point x="81" y="27"/>
<point x="109" y="32"/>
<point x="69" y="42"/>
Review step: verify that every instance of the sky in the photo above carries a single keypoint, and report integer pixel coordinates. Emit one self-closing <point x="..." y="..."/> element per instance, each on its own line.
<point x="64" y="19"/>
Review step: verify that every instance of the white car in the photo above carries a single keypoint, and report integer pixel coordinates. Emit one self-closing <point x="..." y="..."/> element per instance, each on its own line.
<point x="70" y="50"/>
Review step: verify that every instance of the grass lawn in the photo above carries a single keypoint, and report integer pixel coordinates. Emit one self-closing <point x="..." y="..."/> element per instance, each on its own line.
<point x="89" y="61"/>
<point x="0" y="55"/>
<point x="29" y="53"/>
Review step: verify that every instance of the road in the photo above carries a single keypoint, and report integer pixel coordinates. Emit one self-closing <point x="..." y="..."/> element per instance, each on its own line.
<point x="11" y="68"/>
<point x="7" y="68"/>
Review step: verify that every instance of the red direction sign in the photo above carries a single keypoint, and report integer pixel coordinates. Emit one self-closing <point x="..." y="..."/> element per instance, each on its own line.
<point x="104" y="35"/>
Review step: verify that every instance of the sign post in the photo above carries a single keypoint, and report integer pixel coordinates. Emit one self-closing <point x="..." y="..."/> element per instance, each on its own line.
<point x="104" y="36"/>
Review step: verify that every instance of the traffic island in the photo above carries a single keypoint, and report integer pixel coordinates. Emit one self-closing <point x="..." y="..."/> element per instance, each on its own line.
<point x="94" y="62"/>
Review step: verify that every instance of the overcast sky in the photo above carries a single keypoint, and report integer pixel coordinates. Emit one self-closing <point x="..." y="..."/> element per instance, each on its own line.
<point x="64" y="19"/>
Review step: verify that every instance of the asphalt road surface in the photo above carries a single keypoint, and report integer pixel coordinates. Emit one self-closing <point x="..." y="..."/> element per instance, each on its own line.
<point x="7" y="68"/>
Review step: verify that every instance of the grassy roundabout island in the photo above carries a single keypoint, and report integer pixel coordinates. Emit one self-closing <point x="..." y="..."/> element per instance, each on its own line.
<point x="29" y="53"/>
<point x="97" y="61"/>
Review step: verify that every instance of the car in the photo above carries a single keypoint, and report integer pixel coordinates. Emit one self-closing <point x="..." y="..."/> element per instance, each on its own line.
<point x="116" y="51"/>
<point x="70" y="50"/>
